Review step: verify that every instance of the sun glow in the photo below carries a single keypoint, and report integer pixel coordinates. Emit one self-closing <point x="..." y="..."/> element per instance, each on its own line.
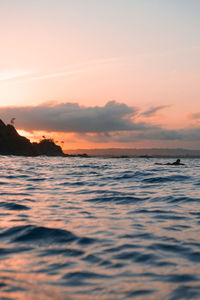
<point x="26" y="134"/>
<point x="59" y="138"/>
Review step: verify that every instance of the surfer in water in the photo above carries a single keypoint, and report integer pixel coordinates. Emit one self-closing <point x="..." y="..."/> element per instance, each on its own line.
<point x="175" y="163"/>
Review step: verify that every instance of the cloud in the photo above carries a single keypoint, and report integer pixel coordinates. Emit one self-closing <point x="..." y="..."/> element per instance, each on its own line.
<point x="195" y="116"/>
<point x="71" y="70"/>
<point x="111" y="123"/>
<point x="190" y="134"/>
<point x="54" y="75"/>
<point x="151" y="134"/>
<point x="151" y="111"/>
<point x="71" y="117"/>
<point x="9" y="75"/>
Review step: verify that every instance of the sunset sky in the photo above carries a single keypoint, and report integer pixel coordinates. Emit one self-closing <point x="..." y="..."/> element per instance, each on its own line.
<point x="102" y="73"/>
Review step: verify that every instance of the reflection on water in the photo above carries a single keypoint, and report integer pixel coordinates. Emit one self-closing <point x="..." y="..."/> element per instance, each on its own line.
<point x="89" y="228"/>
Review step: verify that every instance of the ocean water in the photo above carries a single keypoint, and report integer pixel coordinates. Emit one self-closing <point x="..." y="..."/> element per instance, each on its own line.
<point x="94" y="228"/>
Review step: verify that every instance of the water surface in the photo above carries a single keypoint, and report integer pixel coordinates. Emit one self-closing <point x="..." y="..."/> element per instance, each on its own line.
<point x="92" y="228"/>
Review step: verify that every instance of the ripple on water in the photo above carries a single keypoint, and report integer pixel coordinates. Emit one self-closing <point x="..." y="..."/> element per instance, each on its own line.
<point x="185" y="292"/>
<point x="13" y="206"/>
<point x="140" y="293"/>
<point x="164" y="179"/>
<point x="35" y="234"/>
<point x="118" y="199"/>
<point x="80" y="278"/>
<point x="62" y="251"/>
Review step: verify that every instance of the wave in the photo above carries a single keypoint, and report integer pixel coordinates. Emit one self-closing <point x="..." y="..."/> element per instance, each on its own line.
<point x="37" y="234"/>
<point x="164" y="179"/>
<point x="13" y="206"/>
<point x="118" y="199"/>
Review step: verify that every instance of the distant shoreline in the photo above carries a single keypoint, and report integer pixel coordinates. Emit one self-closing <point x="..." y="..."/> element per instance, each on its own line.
<point x="135" y="153"/>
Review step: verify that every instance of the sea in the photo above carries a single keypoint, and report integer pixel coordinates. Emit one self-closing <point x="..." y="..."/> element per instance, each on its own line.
<point x="99" y="228"/>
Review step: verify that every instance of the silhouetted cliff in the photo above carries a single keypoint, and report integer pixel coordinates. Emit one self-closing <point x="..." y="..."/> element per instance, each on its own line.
<point x="48" y="147"/>
<point x="11" y="143"/>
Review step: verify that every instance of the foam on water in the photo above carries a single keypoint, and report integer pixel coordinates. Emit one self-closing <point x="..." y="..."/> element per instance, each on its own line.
<point x="91" y="228"/>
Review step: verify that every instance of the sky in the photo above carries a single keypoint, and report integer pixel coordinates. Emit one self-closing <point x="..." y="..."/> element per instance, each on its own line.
<point x="102" y="73"/>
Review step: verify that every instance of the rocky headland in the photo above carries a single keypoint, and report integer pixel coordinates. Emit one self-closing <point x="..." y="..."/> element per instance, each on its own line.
<point x="11" y="143"/>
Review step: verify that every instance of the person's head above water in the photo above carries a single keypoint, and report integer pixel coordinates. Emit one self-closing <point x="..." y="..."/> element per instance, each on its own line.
<point x="177" y="162"/>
